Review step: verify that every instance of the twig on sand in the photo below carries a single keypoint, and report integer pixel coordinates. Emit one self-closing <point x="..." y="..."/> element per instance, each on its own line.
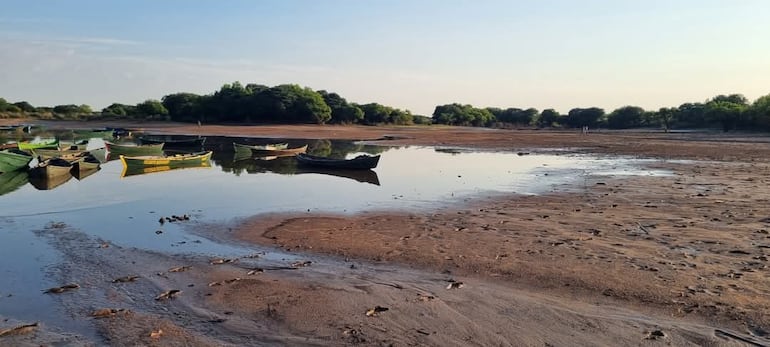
<point x="18" y="330"/>
<point x="722" y="333"/>
<point x="642" y="228"/>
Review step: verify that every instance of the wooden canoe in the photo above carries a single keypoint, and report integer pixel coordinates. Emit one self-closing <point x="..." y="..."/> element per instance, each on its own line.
<point x="51" y="168"/>
<point x="267" y="147"/>
<point x="361" y="162"/>
<point x="13" y="159"/>
<point x="144" y="170"/>
<point x="26" y="145"/>
<point x="279" y="152"/>
<point x="174" y="160"/>
<point x="45" y="154"/>
<point x="119" y="149"/>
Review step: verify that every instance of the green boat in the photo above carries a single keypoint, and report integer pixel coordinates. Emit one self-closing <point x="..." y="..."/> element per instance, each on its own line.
<point x="178" y="160"/>
<point x="13" y="159"/>
<point x="117" y="150"/>
<point x="10" y="181"/>
<point x="26" y="146"/>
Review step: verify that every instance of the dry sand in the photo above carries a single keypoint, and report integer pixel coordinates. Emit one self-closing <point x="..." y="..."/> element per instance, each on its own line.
<point x="608" y="261"/>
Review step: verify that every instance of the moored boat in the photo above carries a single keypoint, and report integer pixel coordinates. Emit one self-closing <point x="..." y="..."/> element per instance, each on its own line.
<point x="120" y="149"/>
<point x="279" y="152"/>
<point x="185" y="143"/>
<point x="269" y="147"/>
<point x="361" y="162"/>
<point x="51" y="168"/>
<point x="174" y="160"/>
<point x="77" y="145"/>
<point x="26" y="145"/>
<point x="86" y="162"/>
<point x="44" y="154"/>
<point x="13" y="159"/>
<point x="9" y="146"/>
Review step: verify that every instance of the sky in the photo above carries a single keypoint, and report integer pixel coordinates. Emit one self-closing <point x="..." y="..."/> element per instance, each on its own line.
<point x="409" y="54"/>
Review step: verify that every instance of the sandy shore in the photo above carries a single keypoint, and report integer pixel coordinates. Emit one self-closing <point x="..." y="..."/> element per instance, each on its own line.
<point x="609" y="261"/>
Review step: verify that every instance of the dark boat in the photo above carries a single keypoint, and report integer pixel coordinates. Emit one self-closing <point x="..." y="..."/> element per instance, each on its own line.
<point x="186" y="143"/>
<point x="361" y="162"/>
<point x="132" y="150"/>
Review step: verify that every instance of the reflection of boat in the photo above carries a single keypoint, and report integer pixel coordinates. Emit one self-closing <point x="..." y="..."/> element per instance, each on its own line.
<point x="13" y="159"/>
<point x="364" y="176"/>
<point x="116" y="149"/>
<point x="279" y="152"/>
<point x="48" y="183"/>
<point x="361" y="162"/>
<point x="26" y="145"/>
<point x="173" y="160"/>
<point x="186" y="143"/>
<point x="80" y="174"/>
<point x="268" y="147"/>
<point x="143" y="170"/>
<point x="12" y="180"/>
<point x="241" y="155"/>
<point x="86" y="163"/>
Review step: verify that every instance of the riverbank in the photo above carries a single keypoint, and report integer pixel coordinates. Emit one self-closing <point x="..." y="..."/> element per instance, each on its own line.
<point x="609" y="261"/>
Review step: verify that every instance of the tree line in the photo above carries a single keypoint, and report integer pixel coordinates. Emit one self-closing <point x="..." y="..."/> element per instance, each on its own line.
<point x="236" y="103"/>
<point x="290" y="103"/>
<point x="727" y="112"/>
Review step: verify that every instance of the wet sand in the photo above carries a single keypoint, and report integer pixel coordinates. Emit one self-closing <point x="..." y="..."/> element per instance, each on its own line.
<point x="606" y="261"/>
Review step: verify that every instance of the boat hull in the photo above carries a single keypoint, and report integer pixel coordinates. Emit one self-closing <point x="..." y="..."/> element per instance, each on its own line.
<point x="279" y="152"/>
<point x="12" y="160"/>
<point x="362" y="162"/>
<point x="179" y="160"/>
<point x="117" y="150"/>
<point x="191" y="143"/>
<point x="26" y="146"/>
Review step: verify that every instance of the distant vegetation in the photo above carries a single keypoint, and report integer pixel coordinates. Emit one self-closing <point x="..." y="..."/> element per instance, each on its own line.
<point x="292" y="104"/>
<point x="726" y="112"/>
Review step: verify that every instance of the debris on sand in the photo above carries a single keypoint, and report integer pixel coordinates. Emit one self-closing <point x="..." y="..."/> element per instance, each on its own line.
<point x="455" y="285"/>
<point x="19" y="329"/>
<point x="220" y="261"/>
<point x="179" y="269"/>
<point x="156" y="334"/>
<point x="124" y="279"/>
<point x="62" y="289"/>
<point x="301" y="263"/>
<point x="255" y="271"/>
<point x="372" y="312"/>
<point x="425" y="297"/>
<point x="655" y="334"/>
<point x="107" y="312"/>
<point x="169" y="294"/>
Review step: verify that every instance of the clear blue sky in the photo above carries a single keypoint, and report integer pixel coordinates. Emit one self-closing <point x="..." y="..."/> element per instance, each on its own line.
<point x="411" y="54"/>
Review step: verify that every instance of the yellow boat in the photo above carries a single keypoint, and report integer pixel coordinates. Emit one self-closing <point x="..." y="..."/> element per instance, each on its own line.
<point x="191" y="159"/>
<point x="144" y="170"/>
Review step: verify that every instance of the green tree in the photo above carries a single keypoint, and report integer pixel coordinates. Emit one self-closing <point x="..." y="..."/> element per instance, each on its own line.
<point x="184" y="107"/>
<point x="580" y="117"/>
<point x="666" y="116"/>
<point x="548" y="118"/>
<point x="116" y="109"/>
<point x="375" y="113"/>
<point x="66" y="109"/>
<point x="342" y="111"/>
<point x="24" y="106"/>
<point x="760" y="112"/>
<point x="726" y="113"/>
<point x="626" y="117"/>
<point x="151" y="108"/>
<point x="466" y="115"/>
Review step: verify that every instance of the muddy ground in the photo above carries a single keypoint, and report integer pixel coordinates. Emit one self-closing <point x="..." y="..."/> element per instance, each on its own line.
<point x="642" y="260"/>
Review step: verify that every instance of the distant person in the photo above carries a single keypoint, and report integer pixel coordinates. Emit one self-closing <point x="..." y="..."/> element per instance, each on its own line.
<point x="199" y="124"/>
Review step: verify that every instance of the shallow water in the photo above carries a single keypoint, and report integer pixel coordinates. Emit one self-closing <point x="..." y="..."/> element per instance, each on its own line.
<point x="125" y="210"/>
